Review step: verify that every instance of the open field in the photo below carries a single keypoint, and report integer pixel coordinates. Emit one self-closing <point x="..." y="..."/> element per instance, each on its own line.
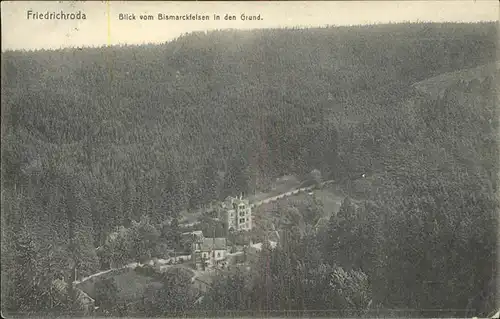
<point x="329" y="197"/>
<point x="130" y="285"/>
<point x="265" y="217"/>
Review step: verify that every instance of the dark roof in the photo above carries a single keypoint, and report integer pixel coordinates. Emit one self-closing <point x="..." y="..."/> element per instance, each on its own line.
<point x="81" y="296"/>
<point x="213" y="243"/>
<point x="193" y="233"/>
<point x="322" y="222"/>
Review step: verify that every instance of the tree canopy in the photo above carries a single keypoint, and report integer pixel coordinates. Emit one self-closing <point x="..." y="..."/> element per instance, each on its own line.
<point x="100" y="146"/>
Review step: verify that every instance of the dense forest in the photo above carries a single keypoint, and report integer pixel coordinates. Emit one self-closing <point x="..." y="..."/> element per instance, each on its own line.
<point x="98" y="138"/>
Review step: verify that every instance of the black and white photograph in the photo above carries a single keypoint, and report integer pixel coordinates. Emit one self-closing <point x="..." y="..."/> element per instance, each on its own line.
<point x="250" y="159"/>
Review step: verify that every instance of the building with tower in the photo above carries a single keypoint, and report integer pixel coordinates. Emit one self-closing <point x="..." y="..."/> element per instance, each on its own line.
<point x="237" y="213"/>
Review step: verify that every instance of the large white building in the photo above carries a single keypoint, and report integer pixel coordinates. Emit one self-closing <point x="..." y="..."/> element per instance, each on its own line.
<point x="237" y="213"/>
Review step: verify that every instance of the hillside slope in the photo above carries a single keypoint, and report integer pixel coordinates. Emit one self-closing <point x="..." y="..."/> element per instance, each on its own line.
<point x="468" y="80"/>
<point x="96" y="138"/>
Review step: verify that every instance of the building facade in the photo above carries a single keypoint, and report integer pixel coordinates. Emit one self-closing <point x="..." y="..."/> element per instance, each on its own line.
<point x="209" y="253"/>
<point x="237" y="213"/>
<point x="192" y="236"/>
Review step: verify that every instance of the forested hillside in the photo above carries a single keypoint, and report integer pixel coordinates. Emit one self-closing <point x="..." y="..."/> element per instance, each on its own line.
<point x="95" y="138"/>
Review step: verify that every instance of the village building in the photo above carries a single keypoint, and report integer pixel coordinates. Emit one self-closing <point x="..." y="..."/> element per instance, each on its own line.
<point x="83" y="301"/>
<point x="237" y="213"/>
<point x="209" y="253"/>
<point x="193" y="236"/>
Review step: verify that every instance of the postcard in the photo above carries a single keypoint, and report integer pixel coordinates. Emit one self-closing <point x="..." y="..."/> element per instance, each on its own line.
<point x="250" y="159"/>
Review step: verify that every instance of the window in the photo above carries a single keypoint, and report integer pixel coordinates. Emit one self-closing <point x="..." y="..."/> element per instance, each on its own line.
<point x="218" y="254"/>
<point x="242" y="206"/>
<point x="213" y="254"/>
<point x="242" y="220"/>
<point x="242" y="214"/>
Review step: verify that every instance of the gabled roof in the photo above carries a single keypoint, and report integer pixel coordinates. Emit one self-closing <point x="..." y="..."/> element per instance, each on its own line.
<point x="209" y="244"/>
<point x="81" y="296"/>
<point x="194" y="232"/>
<point x="322" y="222"/>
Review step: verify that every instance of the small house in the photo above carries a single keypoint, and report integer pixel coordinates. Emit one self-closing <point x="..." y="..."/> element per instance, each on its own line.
<point x="189" y="238"/>
<point x="209" y="252"/>
<point x="192" y="236"/>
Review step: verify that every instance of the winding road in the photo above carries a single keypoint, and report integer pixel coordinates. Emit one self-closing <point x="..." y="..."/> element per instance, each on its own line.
<point x="290" y="193"/>
<point x="255" y="204"/>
